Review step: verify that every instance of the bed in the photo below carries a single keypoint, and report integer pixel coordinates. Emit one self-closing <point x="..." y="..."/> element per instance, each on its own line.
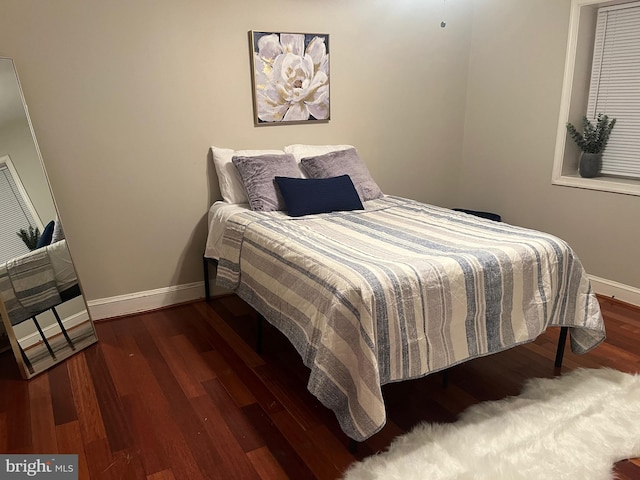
<point x="36" y="282"/>
<point x="396" y="290"/>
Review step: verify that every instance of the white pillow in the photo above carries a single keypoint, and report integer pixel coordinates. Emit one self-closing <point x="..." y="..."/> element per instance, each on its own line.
<point x="231" y="186"/>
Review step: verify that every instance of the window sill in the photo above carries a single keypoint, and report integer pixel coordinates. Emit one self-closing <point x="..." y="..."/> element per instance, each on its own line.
<point x="604" y="184"/>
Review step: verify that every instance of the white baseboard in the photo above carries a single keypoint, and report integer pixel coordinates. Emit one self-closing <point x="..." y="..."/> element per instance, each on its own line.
<point x="619" y="291"/>
<point x="164" y="297"/>
<point x="144" y="301"/>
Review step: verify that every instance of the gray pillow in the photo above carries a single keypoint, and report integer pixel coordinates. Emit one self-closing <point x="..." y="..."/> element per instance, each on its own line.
<point x="258" y="178"/>
<point x="344" y="162"/>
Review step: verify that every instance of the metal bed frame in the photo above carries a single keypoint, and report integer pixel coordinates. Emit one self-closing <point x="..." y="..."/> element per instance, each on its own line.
<point x="65" y="295"/>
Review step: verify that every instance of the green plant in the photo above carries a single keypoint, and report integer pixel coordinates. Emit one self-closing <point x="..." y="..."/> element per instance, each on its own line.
<point x="593" y="138"/>
<point x="30" y="237"/>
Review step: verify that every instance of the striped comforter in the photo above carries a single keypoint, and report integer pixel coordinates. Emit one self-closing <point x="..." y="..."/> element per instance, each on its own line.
<point x="400" y="290"/>
<point x="28" y="285"/>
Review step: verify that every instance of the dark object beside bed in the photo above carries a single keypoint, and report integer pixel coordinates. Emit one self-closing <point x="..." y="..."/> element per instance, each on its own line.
<point x="488" y="215"/>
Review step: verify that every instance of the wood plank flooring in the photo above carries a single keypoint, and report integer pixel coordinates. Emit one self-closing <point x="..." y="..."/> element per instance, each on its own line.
<point x="181" y="394"/>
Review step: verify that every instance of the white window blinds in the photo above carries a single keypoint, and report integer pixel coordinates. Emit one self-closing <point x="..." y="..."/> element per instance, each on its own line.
<point x="615" y="86"/>
<point x="14" y="215"/>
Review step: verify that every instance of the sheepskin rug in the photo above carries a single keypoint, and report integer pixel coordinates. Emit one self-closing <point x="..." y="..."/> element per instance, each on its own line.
<point x="575" y="426"/>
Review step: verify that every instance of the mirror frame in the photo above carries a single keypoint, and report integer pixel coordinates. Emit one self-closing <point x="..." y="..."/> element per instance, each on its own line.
<point x="13" y="340"/>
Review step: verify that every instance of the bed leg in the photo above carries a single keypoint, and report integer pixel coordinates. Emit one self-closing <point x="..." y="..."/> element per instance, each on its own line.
<point x="64" y="330"/>
<point x="205" y="265"/>
<point x="561" y="343"/>
<point x="353" y="446"/>
<point x="259" y="334"/>
<point x="44" y="339"/>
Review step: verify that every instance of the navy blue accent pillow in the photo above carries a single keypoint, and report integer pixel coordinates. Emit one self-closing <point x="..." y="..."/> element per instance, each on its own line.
<point x="304" y="196"/>
<point x="47" y="234"/>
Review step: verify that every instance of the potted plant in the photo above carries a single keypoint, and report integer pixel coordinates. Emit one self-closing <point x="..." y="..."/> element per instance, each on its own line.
<point x="592" y="141"/>
<point x="30" y="237"/>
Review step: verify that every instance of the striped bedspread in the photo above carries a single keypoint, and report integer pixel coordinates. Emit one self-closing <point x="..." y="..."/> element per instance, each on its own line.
<point x="400" y="290"/>
<point x="28" y="285"/>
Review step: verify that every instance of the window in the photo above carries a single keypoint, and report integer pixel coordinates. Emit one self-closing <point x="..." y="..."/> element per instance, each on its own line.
<point x="615" y="86"/>
<point x="602" y="74"/>
<point x="16" y="213"/>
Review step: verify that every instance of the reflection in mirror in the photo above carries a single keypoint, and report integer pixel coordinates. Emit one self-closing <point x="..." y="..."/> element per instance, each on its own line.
<point x="44" y="315"/>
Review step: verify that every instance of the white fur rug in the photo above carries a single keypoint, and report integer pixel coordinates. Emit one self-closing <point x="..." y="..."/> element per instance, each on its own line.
<point x="572" y="427"/>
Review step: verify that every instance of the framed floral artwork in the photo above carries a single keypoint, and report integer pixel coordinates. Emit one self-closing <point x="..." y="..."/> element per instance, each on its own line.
<point x="290" y="77"/>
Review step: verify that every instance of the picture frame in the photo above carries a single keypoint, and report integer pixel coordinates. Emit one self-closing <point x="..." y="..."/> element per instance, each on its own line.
<point x="290" y="77"/>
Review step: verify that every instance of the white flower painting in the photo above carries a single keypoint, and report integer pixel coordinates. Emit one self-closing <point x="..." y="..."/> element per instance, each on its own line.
<point x="290" y="77"/>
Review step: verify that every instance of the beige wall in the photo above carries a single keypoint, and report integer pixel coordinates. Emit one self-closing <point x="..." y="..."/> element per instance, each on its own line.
<point x="127" y="96"/>
<point x="513" y="103"/>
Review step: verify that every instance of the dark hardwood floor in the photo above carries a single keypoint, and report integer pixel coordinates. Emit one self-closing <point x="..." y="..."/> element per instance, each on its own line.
<point x="181" y="394"/>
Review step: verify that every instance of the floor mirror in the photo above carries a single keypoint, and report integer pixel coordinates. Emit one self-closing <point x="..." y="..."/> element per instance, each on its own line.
<point x="44" y="314"/>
